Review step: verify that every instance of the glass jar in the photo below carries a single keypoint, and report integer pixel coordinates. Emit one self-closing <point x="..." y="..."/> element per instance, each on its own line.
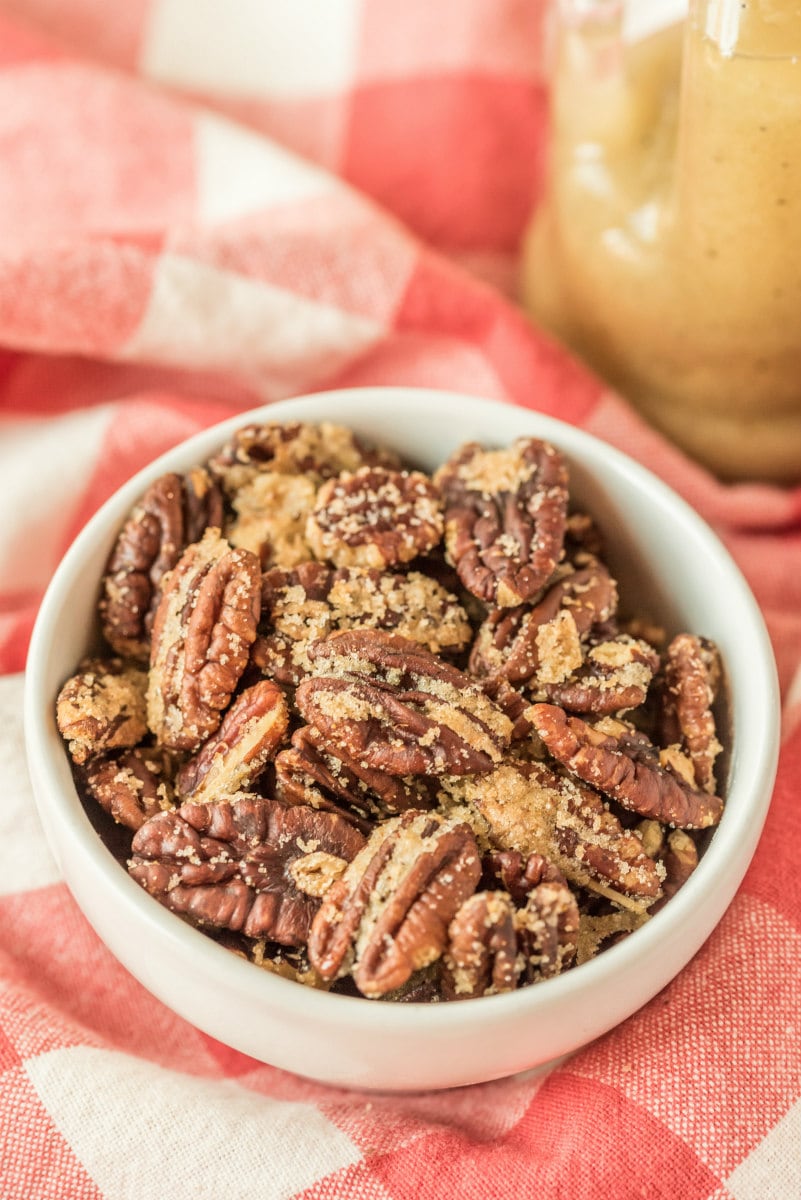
<point x="667" y="249"/>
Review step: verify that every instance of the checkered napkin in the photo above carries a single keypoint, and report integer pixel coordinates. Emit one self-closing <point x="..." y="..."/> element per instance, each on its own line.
<point x="206" y="206"/>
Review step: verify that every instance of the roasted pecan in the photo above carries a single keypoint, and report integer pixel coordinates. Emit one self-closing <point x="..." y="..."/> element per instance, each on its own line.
<point x="518" y="873"/>
<point x="527" y="807"/>
<point x="202" y="631"/>
<point x="614" y="677"/>
<point x="505" y="516"/>
<point x="319" y="451"/>
<point x="305" y="604"/>
<point x="692" y="678"/>
<point x="102" y="708"/>
<point x="598" y="758"/>
<point x="173" y="512"/>
<point x="481" y="956"/>
<point x="583" y="538"/>
<point x="202" y="504"/>
<point x="309" y="772"/>
<point x="374" y="517"/>
<point x="547" y="929"/>
<point x="512" y="642"/>
<point x="394" y="706"/>
<point x="675" y="850"/>
<point x="233" y="758"/>
<point x="131" y="785"/>
<point x="246" y="864"/>
<point x="388" y="915"/>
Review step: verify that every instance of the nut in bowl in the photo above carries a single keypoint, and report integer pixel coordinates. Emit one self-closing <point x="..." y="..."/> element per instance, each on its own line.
<point x="390" y="756"/>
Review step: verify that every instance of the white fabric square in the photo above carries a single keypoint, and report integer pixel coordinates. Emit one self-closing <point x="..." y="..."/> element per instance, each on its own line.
<point x="239" y="172"/>
<point x="25" y="861"/>
<point x="44" y="467"/>
<point x="142" y="1130"/>
<point x="222" y="321"/>
<point x="286" y="48"/>
<point x="773" y="1168"/>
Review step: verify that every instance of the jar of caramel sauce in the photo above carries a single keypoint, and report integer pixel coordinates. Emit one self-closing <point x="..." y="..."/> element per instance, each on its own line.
<point x="667" y="249"/>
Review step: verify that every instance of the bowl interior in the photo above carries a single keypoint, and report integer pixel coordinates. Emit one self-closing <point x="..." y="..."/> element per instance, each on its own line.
<point x="670" y="566"/>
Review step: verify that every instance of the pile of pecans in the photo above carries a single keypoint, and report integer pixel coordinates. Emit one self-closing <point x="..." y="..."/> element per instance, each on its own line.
<point x="386" y="733"/>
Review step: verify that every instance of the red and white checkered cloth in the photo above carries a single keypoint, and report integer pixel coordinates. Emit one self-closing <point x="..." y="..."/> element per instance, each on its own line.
<point x="207" y="205"/>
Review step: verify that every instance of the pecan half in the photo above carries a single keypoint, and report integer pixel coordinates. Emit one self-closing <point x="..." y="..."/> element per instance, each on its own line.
<point x="246" y="864"/>
<point x="643" y="787"/>
<point x="102" y="708"/>
<point x="388" y="915"/>
<point x="173" y="512"/>
<point x="614" y="677"/>
<point x="131" y="785"/>
<point x="505" y="514"/>
<point x="305" y="604"/>
<point x="248" y="737"/>
<point x="517" y="873"/>
<point x="394" y="706"/>
<point x="547" y="930"/>
<point x="375" y="518"/>
<point x="481" y="956"/>
<point x="528" y="808"/>
<point x="297" y="448"/>
<point x="692" y="679"/>
<point x="511" y="642"/>
<point x="675" y="850"/>
<point x="202" y="631"/>
<point x="310" y="772"/>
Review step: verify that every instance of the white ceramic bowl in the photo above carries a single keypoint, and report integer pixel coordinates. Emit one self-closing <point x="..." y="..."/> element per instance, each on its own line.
<point x="681" y="573"/>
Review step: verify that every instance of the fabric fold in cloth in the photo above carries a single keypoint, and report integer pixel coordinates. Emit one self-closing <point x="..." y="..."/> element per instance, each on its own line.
<point x="207" y="207"/>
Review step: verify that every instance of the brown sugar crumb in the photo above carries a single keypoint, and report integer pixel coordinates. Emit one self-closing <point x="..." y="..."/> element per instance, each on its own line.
<point x="558" y="648"/>
<point x="271" y="514"/>
<point x="493" y="471"/>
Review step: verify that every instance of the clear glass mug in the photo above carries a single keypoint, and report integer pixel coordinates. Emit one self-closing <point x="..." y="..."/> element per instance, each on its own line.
<point x="667" y="249"/>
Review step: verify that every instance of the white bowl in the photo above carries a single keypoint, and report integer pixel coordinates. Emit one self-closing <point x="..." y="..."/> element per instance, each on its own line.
<point x="682" y="575"/>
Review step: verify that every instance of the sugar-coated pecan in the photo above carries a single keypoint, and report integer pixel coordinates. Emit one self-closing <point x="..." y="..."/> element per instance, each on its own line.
<point x="374" y="517"/>
<point x="102" y="708"/>
<point x="511" y="702"/>
<point x="236" y="754"/>
<point x="131" y="785"/>
<point x="481" y="956"/>
<point x="202" y="632"/>
<point x="388" y="915"/>
<point x="675" y="850"/>
<point x="547" y="929"/>
<point x="597" y="758"/>
<point x="246" y="864"/>
<point x="512" y="642"/>
<point x="395" y="706"/>
<point x="173" y="512"/>
<point x="310" y="772"/>
<point x="505" y="514"/>
<point x="527" y="807"/>
<point x="614" y="677"/>
<point x="305" y="604"/>
<point x="692" y="679"/>
<point x="583" y="538"/>
<point x="518" y="873"/>
<point x="271" y="514"/>
<point x="202" y="504"/>
<point x="297" y="448"/>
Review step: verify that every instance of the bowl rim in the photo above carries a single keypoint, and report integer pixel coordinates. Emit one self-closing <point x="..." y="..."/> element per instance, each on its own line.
<point x="737" y="835"/>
